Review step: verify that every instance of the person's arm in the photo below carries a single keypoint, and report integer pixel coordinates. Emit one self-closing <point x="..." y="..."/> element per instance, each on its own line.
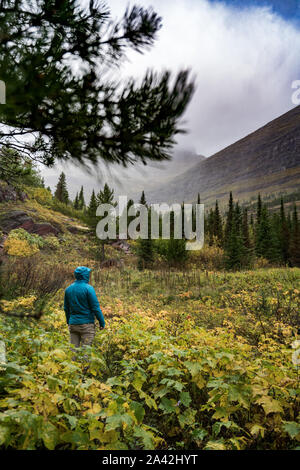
<point x="95" y="307"/>
<point x="66" y="308"/>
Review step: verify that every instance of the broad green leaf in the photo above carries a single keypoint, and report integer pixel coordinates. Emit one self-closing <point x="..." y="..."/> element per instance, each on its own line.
<point x="185" y="398"/>
<point x="167" y="405"/>
<point x="49" y="434"/>
<point x="146" y="437"/>
<point x="138" y="410"/>
<point x="193" y="367"/>
<point x="292" y="428"/>
<point x="118" y="420"/>
<point x="71" y="419"/>
<point x="220" y="413"/>
<point x="199" y="434"/>
<point x="75" y="437"/>
<point x="187" y="418"/>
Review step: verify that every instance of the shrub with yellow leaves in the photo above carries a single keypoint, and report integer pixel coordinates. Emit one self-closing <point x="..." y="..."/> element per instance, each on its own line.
<point x="52" y="242"/>
<point x="22" y="248"/>
<point x="209" y="370"/>
<point x="20" y="303"/>
<point x="41" y="195"/>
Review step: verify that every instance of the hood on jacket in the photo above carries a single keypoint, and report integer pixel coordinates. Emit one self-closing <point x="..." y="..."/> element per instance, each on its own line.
<point x="82" y="273"/>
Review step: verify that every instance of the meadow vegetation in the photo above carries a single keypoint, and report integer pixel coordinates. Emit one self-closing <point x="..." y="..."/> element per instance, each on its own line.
<point x="188" y="360"/>
<point x="193" y="356"/>
<point x="200" y="350"/>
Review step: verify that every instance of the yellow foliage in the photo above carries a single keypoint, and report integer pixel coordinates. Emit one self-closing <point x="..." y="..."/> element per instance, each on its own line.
<point x="206" y="367"/>
<point x="41" y="195"/>
<point x="52" y="242"/>
<point x="16" y="247"/>
<point x="24" y="303"/>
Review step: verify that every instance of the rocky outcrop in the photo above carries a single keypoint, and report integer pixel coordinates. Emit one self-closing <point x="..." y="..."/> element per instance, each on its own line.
<point x="10" y="194"/>
<point x="121" y="245"/>
<point x="78" y="228"/>
<point x="20" y="219"/>
<point x="44" y="229"/>
<point x="14" y="219"/>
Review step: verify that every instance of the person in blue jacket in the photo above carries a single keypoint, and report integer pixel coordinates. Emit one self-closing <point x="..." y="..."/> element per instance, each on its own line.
<point x="81" y="307"/>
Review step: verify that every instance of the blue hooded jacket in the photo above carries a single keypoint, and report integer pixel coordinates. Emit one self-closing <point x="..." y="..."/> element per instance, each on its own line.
<point x="81" y="304"/>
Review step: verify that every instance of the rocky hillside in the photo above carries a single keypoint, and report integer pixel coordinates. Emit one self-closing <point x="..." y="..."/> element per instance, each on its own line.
<point x="56" y="237"/>
<point x="266" y="161"/>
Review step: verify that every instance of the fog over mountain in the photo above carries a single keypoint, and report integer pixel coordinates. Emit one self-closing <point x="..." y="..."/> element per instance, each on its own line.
<point x="129" y="181"/>
<point x="244" y="56"/>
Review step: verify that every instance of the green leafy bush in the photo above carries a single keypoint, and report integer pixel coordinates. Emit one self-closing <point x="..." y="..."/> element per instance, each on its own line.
<point x="41" y="195"/>
<point x="173" y="251"/>
<point x="159" y="378"/>
<point x="31" y="238"/>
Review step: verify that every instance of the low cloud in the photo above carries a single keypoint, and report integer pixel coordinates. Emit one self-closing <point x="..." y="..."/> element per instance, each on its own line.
<point x="245" y="60"/>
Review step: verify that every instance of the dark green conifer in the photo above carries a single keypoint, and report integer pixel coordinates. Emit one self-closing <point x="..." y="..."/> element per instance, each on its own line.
<point x="218" y="227"/>
<point x="295" y="239"/>
<point x="76" y="202"/>
<point x="83" y="117"/>
<point x="91" y="211"/>
<point x="284" y="234"/>
<point x="81" y="202"/>
<point x="143" y="199"/>
<point x="61" y="192"/>
<point x="229" y="220"/>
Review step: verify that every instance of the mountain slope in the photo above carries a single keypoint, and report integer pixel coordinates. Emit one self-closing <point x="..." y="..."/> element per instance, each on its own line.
<point x="266" y="161"/>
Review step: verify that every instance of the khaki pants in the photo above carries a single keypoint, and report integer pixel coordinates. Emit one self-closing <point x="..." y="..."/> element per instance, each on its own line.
<point x="81" y="335"/>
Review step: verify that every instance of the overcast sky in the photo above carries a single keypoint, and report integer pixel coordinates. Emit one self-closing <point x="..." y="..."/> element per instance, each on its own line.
<point x="245" y="58"/>
<point x="244" y="54"/>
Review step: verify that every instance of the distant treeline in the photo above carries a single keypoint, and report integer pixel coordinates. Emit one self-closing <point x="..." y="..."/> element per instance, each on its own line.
<point x="274" y="236"/>
<point x="245" y="233"/>
<point x="272" y="200"/>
